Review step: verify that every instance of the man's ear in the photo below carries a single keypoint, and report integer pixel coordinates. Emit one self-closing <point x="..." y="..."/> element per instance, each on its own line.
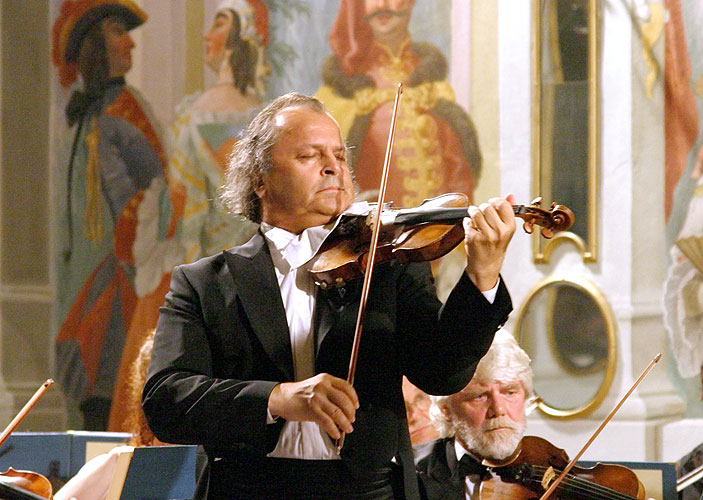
<point x="446" y="413"/>
<point x="260" y="188"/>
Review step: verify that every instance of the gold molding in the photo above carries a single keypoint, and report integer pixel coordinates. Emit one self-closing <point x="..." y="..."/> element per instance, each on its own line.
<point x="590" y="289"/>
<point x="542" y="134"/>
<point x="195" y="59"/>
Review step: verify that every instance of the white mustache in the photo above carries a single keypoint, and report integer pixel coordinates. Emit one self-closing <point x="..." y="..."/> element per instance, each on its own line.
<point x="500" y="422"/>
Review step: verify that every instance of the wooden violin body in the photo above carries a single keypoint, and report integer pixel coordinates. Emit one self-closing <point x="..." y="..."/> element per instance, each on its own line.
<point x="32" y="482"/>
<point x="536" y="463"/>
<point x="20" y="484"/>
<point x="418" y="234"/>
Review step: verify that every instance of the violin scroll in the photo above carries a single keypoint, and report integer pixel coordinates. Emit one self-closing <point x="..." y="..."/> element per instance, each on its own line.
<point x="557" y="218"/>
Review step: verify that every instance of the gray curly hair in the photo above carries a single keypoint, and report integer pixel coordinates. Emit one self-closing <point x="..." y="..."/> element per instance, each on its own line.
<point x="505" y="361"/>
<point x="251" y="156"/>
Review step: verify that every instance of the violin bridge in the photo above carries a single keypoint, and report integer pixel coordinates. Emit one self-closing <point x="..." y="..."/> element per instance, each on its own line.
<point x="371" y="218"/>
<point x="548" y="477"/>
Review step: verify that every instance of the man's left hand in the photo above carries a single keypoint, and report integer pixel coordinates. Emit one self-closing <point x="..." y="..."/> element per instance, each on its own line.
<point x="488" y="230"/>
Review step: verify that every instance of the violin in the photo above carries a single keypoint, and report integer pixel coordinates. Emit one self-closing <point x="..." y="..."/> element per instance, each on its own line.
<point x="538" y="467"/>
<point x="424" y="233"/>
<point x="535" y="464"/>
<point x="20" y="484"/>
<point x="24" y="484"/>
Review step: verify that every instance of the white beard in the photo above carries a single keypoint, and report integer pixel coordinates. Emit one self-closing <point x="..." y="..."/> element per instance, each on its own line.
<point x="495" y="445"/>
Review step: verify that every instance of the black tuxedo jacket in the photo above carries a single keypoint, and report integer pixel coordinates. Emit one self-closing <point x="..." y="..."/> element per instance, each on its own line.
<point x="438" y="475"/>
<point x="222" y="344"/>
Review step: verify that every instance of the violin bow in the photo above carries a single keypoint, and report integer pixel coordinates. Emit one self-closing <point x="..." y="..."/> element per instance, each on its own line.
<point x="23" y="412"/>
<point x="372" y="250"/>
<point x="689" y="478"/>
<point x="566" y="470"/>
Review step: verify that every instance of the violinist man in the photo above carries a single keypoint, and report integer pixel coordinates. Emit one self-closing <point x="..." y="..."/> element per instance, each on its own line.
<point x="250" y="359"/>
<point x="486" y="419"/>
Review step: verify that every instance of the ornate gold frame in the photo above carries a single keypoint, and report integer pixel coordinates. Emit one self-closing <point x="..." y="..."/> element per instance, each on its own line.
<point x="542" y="249"/>
<point x="590" y="289"/>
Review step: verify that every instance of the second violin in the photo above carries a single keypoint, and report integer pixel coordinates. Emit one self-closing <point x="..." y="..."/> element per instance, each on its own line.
<point x="536" y="463"/>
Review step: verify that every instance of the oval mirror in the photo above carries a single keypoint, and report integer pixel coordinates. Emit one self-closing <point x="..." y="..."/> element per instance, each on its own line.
<point x="567" y="328"/>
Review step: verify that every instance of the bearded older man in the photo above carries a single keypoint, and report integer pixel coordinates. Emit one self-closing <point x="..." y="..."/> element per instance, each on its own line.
<point x="486" y="419"/>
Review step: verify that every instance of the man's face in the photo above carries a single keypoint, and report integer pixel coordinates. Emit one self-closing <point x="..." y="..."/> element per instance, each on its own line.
<point x="488" y="418"/>
<point x="388" y="16"/>
<point x="417" y="406"/>
<point x="216" y="38"/>
<point x="119" y="45"/>
<point x="310" y="182"/>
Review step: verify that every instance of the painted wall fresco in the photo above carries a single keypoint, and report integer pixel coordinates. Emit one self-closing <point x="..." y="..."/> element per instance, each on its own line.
<point x="113" y="206"/>
<point x="144" y="217"/>
<point x="683" y="294"/>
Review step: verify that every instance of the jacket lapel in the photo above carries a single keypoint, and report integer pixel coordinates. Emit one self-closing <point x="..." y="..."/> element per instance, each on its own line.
<point x="256" y="286"/>
<point x="445" y="482"/>
<point x="331" y="304"/>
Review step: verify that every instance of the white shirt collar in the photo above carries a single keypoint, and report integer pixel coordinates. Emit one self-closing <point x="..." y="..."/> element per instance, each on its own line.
<point x="461" y="451"/>
<point x="297" y="249"/>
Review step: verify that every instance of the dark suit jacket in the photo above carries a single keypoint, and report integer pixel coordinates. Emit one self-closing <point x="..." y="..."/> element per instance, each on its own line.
<point x="437" y="473"/>
<point x="222" y="344"/>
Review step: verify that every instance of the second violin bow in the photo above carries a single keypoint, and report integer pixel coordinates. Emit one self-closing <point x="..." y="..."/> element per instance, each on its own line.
<point x="566" y="470"/>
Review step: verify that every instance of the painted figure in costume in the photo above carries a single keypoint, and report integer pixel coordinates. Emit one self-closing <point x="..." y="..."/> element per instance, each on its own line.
<point x="436" y="147"/>
<point x="115" y="209"/>
<point x="199" y="143"/>
<point x="683" y="291"/>
<point x="485" y="420"/>
<point x="202" y="136"/>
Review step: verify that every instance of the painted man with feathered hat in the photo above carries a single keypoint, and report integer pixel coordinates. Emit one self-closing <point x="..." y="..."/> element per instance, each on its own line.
<point x="111" y="206"/>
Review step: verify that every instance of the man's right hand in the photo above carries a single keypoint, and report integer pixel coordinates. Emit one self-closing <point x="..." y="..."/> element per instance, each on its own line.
<point x="330" y="401"/>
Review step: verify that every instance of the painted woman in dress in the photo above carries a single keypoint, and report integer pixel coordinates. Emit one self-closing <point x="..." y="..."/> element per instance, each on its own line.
<point x="208" y="125"/>
<point x="199" y="141"/>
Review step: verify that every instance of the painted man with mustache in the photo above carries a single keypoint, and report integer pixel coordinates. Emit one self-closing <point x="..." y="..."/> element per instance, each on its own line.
<point x="486" y="419"/>
<point x="250" y="357"/>
<point x="436" y="145"/>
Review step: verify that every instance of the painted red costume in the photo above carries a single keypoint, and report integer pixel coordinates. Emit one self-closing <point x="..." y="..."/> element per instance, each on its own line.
<point x="436" y="146"/>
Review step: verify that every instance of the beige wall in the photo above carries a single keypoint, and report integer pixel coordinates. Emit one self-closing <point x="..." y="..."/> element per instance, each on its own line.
<point x="26" y="291"/>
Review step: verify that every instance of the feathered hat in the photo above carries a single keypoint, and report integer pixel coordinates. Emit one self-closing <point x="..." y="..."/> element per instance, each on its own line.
<point x="74" y="21"/>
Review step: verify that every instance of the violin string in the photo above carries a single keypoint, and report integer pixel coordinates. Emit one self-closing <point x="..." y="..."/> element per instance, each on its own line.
<point x="588" y="491"/>
<point x="582" y="486"/>
<point x="594" y="490"/>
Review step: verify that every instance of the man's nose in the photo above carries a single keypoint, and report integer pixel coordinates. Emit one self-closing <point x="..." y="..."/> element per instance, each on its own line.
<point x="496" y="408"/>
<point x="413" y="412"/>
<point x="331" y="165"/>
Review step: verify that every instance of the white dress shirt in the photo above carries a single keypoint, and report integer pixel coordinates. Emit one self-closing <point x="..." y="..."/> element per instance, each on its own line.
<point x="290" y="252"/>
